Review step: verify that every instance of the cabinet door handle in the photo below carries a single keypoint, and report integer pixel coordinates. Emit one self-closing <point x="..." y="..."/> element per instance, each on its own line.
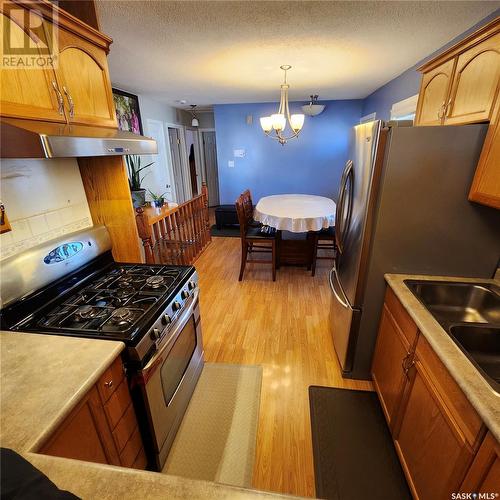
<point x="109" y="384"/>
<point x="440" y="112"/>
<point x="407" y="363"/>
<point x="403" y="363"/>
<point x="70" y="102"/>
<point x="60" y="98"/>
<point x="447" y="108"/>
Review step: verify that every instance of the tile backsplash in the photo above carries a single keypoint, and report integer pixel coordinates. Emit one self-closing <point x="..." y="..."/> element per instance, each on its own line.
<point x="43" y="199"/>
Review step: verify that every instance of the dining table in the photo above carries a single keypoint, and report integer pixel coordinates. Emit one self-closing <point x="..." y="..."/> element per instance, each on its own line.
<point x="297" y="218"/>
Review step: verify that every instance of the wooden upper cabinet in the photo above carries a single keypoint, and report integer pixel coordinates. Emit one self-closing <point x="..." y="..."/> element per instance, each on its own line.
<point x="433" y="94"/>
<point x="468" y="76"/>
<point x="83" y="77"/>
<point x="76" y="88"/>
<point x="485" y="187"/>
<point x="460" y="85"/>
<point x="28" y="93"/>
<point x="475" y="83"/>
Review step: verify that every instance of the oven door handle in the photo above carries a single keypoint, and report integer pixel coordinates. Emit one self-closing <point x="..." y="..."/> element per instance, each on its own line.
<point x="172" y="335"/>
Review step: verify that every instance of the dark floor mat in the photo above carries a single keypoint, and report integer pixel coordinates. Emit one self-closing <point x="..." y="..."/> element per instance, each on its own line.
<point x="354" y="456"/>
<point x="228" y="231"/>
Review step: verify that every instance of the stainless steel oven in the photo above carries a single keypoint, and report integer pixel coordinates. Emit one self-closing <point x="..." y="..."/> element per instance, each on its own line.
<point x="72" y="286"/>
<point x="169" y="378"/>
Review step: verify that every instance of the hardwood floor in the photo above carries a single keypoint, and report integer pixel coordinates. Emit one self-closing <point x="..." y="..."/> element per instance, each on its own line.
<point x="283" y="326"/>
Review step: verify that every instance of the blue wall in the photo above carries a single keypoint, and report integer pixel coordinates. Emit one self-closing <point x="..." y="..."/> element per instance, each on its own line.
<point x="408" y="82"/>
<point x="310" y="164"/>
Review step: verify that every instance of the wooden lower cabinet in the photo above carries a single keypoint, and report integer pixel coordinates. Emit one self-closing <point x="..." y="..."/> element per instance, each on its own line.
<point x="84" y="435"/>
<point x="436" y="431"/>
<point x="484" y="473"/>
<point x="393" y="351"/>
<point x="103" y="427"/>
<point x="432" y="449"/>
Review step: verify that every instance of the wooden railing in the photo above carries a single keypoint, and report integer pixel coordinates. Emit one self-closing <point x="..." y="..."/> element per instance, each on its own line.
<point x="175" y="235"/>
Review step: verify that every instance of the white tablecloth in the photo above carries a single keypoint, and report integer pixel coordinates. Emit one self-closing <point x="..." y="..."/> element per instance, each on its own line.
<point x="297" y="213"/>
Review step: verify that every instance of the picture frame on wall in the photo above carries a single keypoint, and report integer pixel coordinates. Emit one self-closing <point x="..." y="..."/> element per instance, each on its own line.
<point x="128" y="114"/>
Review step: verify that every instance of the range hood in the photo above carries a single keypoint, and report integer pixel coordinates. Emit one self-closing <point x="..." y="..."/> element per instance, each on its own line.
<point x="38" y="139"/>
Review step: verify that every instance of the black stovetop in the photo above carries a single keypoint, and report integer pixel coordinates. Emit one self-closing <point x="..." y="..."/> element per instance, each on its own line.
<point x="104" y="300"/>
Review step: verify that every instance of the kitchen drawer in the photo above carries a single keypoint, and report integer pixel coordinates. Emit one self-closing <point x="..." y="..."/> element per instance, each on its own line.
<point x="117" y="404"/>
<point x="110" y="379"/>
<point x="125" y="428"/>
<point x="464" y="415"/>
<point x="406" y="325"/>
<point x="130" y="453"/>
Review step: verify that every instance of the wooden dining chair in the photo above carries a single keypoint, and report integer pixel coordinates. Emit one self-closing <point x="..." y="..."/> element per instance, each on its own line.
<point x="249" y="207"/>
<point x="323" y="240"/>
<point x="254" y="239"/>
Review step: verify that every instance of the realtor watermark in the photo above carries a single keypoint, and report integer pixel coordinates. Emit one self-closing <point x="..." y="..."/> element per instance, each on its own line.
<point x="29" y="37"/>
<point x="468" y="495"/>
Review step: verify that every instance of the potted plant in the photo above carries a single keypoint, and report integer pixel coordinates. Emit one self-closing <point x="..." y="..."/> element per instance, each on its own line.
<point x="158" y="199"/>
<point x="135" y="179"/>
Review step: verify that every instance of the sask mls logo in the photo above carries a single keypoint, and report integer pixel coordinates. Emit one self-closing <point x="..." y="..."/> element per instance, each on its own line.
<point x="474" y="496"/>
<point x="28" y="40"/>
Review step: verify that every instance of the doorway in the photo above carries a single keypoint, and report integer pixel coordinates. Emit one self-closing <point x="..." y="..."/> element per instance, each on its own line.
<point x="194" y="160"/>
<point x="182" y="187"/>
<point x="211" y="169"/>
<point x="161" y="178"/>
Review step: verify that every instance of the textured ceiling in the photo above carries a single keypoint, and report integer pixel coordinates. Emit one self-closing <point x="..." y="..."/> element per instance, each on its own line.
<point x="210" y="52"/>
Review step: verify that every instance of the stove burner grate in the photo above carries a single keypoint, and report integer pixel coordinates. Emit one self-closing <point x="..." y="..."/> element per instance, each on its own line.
<point x="114" y="302"/>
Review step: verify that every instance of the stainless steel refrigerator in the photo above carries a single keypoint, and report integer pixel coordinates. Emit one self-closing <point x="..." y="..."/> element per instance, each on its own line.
<point x="402" y="208"/>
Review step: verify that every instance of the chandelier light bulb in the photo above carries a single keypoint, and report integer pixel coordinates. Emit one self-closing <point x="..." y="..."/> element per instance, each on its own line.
<point x="297" y="122"/>
<point x="266" y="123"/>
<point x="279" y="121"/>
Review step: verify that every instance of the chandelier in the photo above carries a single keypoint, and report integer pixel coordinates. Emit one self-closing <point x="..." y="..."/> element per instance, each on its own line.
<point x="278" y="121"/>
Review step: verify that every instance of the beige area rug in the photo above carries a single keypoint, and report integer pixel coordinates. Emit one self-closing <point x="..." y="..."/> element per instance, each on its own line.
<point x="217" y="437"/>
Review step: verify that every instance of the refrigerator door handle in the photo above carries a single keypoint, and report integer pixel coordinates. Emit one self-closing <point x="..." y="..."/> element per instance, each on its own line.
<point x="343" y="224"/>
<point x="333" y="274"/>
<point x="340" y="201"/>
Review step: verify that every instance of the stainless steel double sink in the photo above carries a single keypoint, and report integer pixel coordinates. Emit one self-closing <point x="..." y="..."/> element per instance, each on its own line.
<point x="470" y="314"/>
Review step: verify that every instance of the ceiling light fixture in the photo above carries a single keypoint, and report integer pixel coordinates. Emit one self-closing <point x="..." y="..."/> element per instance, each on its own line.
<point x="194" y="121"/>
<point x="278" y="121"/>
<point x="313" y="108"/>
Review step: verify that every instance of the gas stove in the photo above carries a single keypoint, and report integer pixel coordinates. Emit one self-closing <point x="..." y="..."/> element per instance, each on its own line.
<point x="134" y="303"/>
<point x="72" y="286"/>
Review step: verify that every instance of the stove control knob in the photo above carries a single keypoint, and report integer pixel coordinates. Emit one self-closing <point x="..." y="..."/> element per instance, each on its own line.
<point x="176" y="306"/>
<point x="192" y="285"/>
<point x="155" y="333"/>
<point x="166" y="319"/>
<point x="185" y="294"/>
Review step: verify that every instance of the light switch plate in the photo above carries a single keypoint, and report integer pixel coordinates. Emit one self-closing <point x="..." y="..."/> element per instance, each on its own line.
<point x="230" y="164"/>
<point x="239" y="153"/>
